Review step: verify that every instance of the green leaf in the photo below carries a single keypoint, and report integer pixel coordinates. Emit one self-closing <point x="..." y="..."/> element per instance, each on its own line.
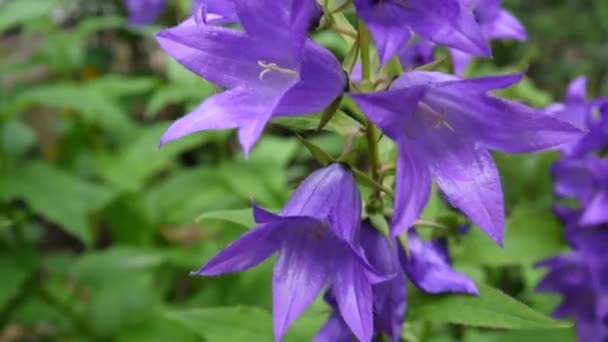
<point x="57" y="196"/>
<point x="86" y="99"/>
<point x="137" y="162"/>
<point x="242" y="217"/>
<point x="117" y="86"/>
<point x="227" y="324"/>
<point x="329" y="113"/>
<point x="13" y="276"/>
<point x="110" y="263"/>
<point x="17" y="11"/>
<point x="531" y="235"/>
<point x="340" y="123"/>
<point x="321" y="156"/>
<point x="241" y="323"/>
<point x="492" y="309"/>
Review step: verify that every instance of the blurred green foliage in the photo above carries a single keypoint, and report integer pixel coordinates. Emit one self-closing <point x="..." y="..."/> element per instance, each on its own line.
<point x="99" y="229"/>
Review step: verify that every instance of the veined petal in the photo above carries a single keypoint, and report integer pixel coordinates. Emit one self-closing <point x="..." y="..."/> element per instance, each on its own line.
<point x="500" y="124"/>
<point x="329" y="194"/>
<point x="354" y="297"/>
<point x="282" y="19"/>
<point x="428" y="269"/>
<point x="447" y="22"/>
<point x="235" y="108"/>
<point x="248" y="251"/>
<point x="386" y="24"/>
<point x="322" y="80"/>
<point x="413" y="187"/>
<point x="390" y="110"/>
<point x="227" y="57"/>
<point x="467" y="175"/>
<point x="306" y="260"/>
<point x="481" y="85"/>
<point x="334" y="330"/>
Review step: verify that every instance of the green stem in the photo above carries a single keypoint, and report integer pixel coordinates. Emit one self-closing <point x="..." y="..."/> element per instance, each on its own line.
<point x="364" y="43"/>
<point x="370" y="130"/>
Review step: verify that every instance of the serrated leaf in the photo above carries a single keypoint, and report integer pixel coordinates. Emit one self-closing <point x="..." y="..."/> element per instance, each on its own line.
<point x="321" y="156"/>
<point x="56" y="195"/>
<point x="367" y="181"/>
<point x="491" y="309"/>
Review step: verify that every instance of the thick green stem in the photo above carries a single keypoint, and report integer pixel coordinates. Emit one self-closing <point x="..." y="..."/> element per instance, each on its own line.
<point x="370" y="130"/>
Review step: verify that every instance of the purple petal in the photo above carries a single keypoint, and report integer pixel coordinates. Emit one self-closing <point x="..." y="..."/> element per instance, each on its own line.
<point x="354" y="297"/>
<point x="449" y="23"/>
<point x="413" y="187"/>
<point x="261" y="215"/>
<point x="227" y="57"/>
<point x="144" y="12"/>
<point x="390" y="110"/>
<point x="506" y="26"/>
<point x="427" y="268"/>
<point x="322" y="80"/>
<point x="596" y="212"/>
<point x="329" y="194"/>
<point x="248" y="251"/>
<point x="460" y="61"/>
<point x="334" y="330"/>
<point x="235" y="108"/>
<point x="464" y="170"/>
<point x="577" y="91"/>
<point x="287" y="19"/>
<point x="302" y="271"/>
<point x="499" y="124"/>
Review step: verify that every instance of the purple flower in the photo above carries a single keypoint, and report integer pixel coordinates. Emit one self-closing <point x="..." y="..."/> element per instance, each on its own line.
<point x="271" y="69"/>
<point x="495" y="23"/>
<point x="583" y="114"/>
<point x="144" y="12"/>
<point x="389" y="297"/>
<point x="213" y="12"/>
<point x="316" y="236"/>
<point x="416" y="54"/>
<point x="446" y="22"/>
<point x="428" y="267"/>
<point x="587" y="181"/>
<point x="444" y="127"/>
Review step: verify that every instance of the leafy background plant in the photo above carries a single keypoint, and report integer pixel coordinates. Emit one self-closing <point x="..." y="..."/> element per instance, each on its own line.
<point x="99" y="229"/>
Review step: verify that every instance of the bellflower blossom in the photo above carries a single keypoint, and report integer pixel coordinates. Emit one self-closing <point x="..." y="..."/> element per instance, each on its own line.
<point x="495" y="23"/>
<point x="316" y="236"/>
<point x="580" y="276"/>
<point x="444" y="127"/>
<point x="427" y="267"/>
<point x="144" y="12"/>
<point x="270" y="69"/>
<point x="446" y="22"/>
<point x="583" y="114"/>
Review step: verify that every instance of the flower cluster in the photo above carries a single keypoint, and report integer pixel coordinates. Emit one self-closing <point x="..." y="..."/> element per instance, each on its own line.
<point x="259" y="53"/>
<point x="582" y="175"/>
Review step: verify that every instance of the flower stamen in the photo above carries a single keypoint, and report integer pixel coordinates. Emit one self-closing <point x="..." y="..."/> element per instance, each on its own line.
<point x="273" y="67"/>
<point x="441" y="121"/>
